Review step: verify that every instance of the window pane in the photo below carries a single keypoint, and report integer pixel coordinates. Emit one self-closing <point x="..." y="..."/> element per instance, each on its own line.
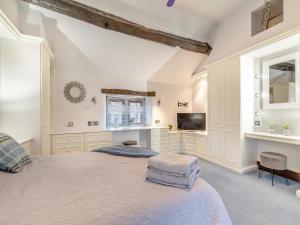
<point x="122" y="111"/>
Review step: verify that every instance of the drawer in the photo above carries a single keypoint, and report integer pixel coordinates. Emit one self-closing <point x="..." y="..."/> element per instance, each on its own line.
<point x="67" y="143"/>
<point x="188" y="147"/>
<point x="75" y="139"/>
<point x="92" y="146"/>
<point x="164" y="140"/>
<point x="98" y="137"/>
<point x="68" y="139"/>
<point x="174" y="148"/>
<point x="65" y="149"/>
<point x="159" y="132"/>
<point x="189" y="139"/>
<point x="174" y="138"/>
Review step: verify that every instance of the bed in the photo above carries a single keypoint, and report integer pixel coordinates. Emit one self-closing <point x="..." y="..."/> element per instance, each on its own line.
<point x="100" y="189"/>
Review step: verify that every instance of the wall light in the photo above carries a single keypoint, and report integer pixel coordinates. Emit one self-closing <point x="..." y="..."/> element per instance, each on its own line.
<point x="256" y="76"/>
<point x="257" y="113"/>
<point x="158" y="102"/>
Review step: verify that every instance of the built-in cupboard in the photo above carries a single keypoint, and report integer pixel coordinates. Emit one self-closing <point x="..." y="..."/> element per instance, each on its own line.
<point x="224" y="113"/>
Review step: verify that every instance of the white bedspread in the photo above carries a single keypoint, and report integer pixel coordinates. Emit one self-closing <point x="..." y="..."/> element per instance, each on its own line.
<point x="100" y="189"/>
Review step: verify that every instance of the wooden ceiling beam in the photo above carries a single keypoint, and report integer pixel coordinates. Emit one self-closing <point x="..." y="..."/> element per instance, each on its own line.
<point x="111" y="22"/>
<point x="128" y="92"/>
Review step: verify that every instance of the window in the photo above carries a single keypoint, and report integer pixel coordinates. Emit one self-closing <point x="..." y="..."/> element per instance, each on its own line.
<point x="124" y="111"/>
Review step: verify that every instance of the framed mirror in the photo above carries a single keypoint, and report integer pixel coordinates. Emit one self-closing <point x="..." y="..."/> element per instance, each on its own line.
<point x="281" y="82"/>
<point x="75" y="92"/>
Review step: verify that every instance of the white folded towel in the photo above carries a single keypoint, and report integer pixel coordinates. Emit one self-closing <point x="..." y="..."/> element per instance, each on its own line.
<point x="174" y="163"/>
<point x="171" y="180"/>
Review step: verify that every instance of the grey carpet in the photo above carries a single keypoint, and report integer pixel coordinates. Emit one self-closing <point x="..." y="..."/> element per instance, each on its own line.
<point x="253" y="201"/>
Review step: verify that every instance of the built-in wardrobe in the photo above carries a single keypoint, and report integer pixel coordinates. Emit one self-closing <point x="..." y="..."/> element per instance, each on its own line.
<point x="25" y="87"/>
<point x="226" y="145"/>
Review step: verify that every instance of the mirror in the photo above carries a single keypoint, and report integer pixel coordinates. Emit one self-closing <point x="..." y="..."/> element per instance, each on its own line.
<point x="280" y="76"/>
<point x="282" y="82"/>
<point x="75" y="92"/>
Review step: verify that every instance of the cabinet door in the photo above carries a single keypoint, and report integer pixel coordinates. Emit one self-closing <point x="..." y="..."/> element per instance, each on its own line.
<point x="188" y="142"/>
<point x="231" y="97"/>
<point x="45" y="103"/>
<point x="201" y="144"/>
<point x="174" y="142"/>
<point x="231" y="146"/>
<point x="215" y="143"/>
<point x="214" y="95"/>
<point x="93" y="146"/>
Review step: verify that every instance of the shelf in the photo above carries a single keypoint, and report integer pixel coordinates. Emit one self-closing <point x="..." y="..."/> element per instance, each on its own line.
<point x="265" y="136"/>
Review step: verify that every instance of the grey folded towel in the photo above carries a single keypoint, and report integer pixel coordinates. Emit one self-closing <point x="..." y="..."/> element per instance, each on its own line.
<point x="174" y="163"/>
<point x="193" y="167"/>
<point x="164" y="178"/>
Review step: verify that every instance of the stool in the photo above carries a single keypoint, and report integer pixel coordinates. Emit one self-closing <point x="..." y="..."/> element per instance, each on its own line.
<point x="273" y="161"/>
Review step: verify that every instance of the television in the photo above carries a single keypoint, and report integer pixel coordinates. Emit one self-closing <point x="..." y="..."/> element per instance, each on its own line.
<point x="191" y="121"/>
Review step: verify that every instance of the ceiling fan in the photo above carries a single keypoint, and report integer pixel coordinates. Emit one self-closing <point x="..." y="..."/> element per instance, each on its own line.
<point x="170" y="3"/>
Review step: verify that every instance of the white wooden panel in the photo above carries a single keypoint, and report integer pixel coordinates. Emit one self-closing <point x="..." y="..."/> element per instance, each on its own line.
<point x="232" y="92"/>
<point x="92" y="146"/>
<point x="188" y="142"/>
<point x="215" y="143"/>
<point x="174" y="142"/>
<point x="67" y="143"/>
<point x="98" y="137"/>
<point x="45" y="103"/>
<point x="231" y="147"/>
<point x="201" y="144"/>
<point x="214" y="95"/>
<point x="158" y="132"/>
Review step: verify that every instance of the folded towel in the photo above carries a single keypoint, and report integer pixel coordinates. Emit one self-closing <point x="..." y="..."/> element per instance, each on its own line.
<point x="193" y="167"/>
<point x="174" y="181"/>
<point x="174" y="163"/>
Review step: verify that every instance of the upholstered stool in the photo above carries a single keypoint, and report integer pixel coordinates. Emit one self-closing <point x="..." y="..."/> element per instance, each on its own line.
<point x="273" y="161"/>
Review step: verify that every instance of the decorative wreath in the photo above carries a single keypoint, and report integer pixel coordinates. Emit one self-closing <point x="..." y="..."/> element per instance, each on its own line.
<point x="75" y="99"/>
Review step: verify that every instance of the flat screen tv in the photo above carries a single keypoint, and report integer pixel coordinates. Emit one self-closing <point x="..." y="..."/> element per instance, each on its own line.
<point x="191" y="121"/>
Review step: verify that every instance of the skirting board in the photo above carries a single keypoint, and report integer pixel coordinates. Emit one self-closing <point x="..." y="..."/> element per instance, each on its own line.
<point x="233" y="168"/>
<point x="290" y="174"/>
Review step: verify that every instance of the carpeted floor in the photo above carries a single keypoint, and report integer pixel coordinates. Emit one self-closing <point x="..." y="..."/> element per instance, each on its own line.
<point x="253" y="201"/>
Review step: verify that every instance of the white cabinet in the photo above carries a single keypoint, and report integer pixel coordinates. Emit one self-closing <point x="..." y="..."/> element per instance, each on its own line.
<point x="201" y="144"/>
<point x="174" y="141"/>
<point x="159" y="139"/>
<point x="188" y="142"/>
<point x="81" y="142"/>
<point x="224" y="112"/>
<point x="97" y="140"/>
<point x="45" y="102"/>
<point x="63" y="143"/>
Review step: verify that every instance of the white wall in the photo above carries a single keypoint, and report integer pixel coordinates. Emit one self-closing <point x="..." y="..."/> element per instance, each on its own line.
<point x="10" y="8"/>
<point x="85" y="111"/>
<point x="99" y="58"/>
<point x="199" y="96"/>
<point x="169" y="95"/>
<point x="20" y="90"/>
<point x="234" y="33"/>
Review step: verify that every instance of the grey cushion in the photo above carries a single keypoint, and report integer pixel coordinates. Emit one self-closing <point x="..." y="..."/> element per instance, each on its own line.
<point x="12" y="156"/>
<point x="273" y="160"/>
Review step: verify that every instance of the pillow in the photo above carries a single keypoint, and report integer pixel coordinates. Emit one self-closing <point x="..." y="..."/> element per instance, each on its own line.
<point x="12" y="156"/>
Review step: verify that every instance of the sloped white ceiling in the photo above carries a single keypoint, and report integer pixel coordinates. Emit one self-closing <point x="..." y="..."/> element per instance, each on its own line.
<point x="85" y="48"/>
<point x="191" y="18"/>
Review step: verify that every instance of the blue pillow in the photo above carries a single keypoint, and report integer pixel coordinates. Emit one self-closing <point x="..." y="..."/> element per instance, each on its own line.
<point x="12" y="156"/>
